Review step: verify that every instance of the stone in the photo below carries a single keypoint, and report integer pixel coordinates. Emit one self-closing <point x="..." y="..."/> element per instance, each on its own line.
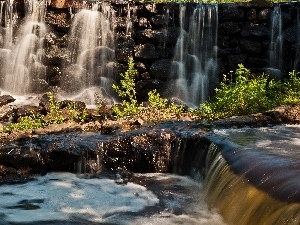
<point x="251" y="15"/>
<point x="250" y="46"/>
<point x="230" y="12"/>
<point x="143" y="23"/>
<point x="230" y="27"/>
<point x="172" y="35"/>
<point x="145" y="51"/>
<point x="6" y="99"/>
<point x="234" y="60"/>
<point x="26" y="110"/>
<point x="60" y="21"/>
<point x="7" y="112"/>
<point x="151" y="36"/>
<point x="264" y="15"/>
<point x="144" y="86"/>
<point x="161" y="69"/>
<point x="123" y="54"/>
<point x="256" y="62"/>
<point x="55" y="56"/>
<point x="255" y="30"/>
<point x="160" y="20"/>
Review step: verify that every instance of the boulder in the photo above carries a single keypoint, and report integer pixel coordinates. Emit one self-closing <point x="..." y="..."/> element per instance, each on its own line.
<point x="6" y="99"/>
<point x="229" y="27"/>
<point x="161" y="69"/>
<point x="145" y="51"/>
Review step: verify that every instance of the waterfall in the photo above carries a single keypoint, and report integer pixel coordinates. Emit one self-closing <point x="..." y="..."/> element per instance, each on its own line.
<point x="237" y="199"/>
<point x="91" y="46"/>
<point x="22" y="67"/>
<point x="7" y="21"/>
<point x="275" y="49"/>
<point x="296" y="65"/>
<point x="195" y="58"/>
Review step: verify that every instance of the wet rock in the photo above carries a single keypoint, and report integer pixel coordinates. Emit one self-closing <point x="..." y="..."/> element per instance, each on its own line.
<point x="251" y="15"/>
<point x="55" y="56"/>
<point x="58" y="20"/>
<point x="261" y="3"/>
<point x="230" y="12"/>
<point x="229" y="28"/>
<point x="123" y="54"/>
<point x="144" y="86"/>
<point x="26" y="110"/>
<point x="141" y="67"/>
<point x="6" y="99"/>
<point x="264" y="15"/>
<point x="124" y="48"/>
<point x="254" y="30"/>
<point x="143" y="23"/>
<point x="256" y="62"/>
<point x="250" y="46"/>
<point x="161" y="69"/>
<point x="53" y="75"/>
<point x="160" y="20"/>
<point x="145" y="51"/>
<point x="151" y="36"/>
<point x="233" y="60"/>
<point x="7" y="113"/>
<point x="172" y="35"/>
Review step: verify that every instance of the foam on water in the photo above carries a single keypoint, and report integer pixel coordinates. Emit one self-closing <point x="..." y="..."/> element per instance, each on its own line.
<point x="64" y="197"/>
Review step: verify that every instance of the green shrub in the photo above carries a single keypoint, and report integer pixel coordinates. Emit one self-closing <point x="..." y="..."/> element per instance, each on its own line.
<point x="32" y="121"/>
<point x="54" y="116"/>
<point x="126" y="90"/>
<point x="248" y="94"/>
<point x="291" y="88"/>
<point x="76" y="114"/>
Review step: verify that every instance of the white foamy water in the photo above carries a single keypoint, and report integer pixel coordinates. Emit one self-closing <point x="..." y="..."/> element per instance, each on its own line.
<point x="63" y="198"/>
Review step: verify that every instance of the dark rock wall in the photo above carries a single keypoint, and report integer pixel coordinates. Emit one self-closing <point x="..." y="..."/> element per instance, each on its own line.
<point x="148" y="32"/>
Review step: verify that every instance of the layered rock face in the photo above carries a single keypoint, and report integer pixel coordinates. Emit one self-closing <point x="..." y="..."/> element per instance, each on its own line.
<point x="148" y="32"/>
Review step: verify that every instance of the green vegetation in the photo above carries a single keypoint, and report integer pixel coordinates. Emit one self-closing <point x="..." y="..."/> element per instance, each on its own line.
<point x="32" y="121"/>
<point x="159" y="109"/>
<point x="56" y="115"/>
<point x="249" y="93"/>
<point x="129" y="106"/>
<point x="240" y="93"/>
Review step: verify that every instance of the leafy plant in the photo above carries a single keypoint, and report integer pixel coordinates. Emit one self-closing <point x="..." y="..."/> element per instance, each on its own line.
<point x="248" y="94"/>
<point x="32" y="121"/>
<point x="160" y="109"/>
<point x="291" y="88"/>
<point x="54" y="116"/>
<point x="75" y="113"/>
<point x="129" y="106"/>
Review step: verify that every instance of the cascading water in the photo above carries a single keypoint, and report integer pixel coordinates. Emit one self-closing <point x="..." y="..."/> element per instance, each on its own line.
<point x="22" y="63"/>
<point x="257" y="181"/>
<point x="296" y="65"/>
<point x="275" y="51"/>
<point x="6" y="14"/>
<point x="91" y="44"/>
<point x="195" y="58"/>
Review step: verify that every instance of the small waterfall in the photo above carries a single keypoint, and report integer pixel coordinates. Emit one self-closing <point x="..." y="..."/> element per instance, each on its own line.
<point x="240" y="202"/>
<point x="7" y="21"/>
<point x="91" y="46"/>
<point x="195" y="57"/>
<point x="296" y="64"/>
<point x="23" y="59"/>
<point x="275" y="51"/>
